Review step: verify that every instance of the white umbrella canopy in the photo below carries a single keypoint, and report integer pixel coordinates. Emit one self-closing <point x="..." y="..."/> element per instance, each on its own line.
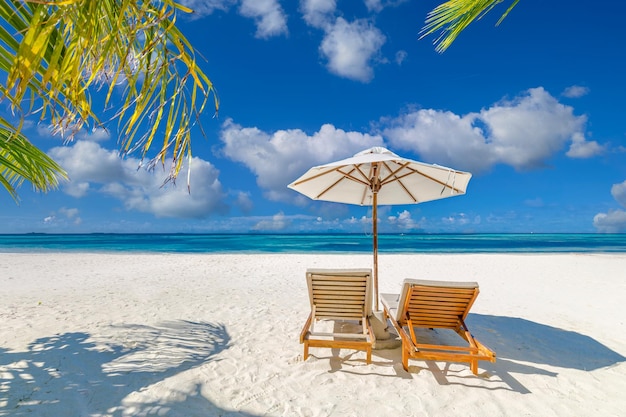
<point x="377" y="176"/>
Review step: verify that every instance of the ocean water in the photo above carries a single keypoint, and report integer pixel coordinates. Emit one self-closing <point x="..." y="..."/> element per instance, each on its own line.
<point x="314" y="243"/>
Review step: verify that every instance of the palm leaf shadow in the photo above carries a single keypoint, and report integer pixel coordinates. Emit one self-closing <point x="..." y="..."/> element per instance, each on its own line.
<point x="78" y="373"/>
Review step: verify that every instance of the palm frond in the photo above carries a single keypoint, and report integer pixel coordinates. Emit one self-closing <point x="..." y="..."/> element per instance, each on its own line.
<point x="453" y="16"/>
<point x="57" y="52"/>
<point x="21" y="161"/>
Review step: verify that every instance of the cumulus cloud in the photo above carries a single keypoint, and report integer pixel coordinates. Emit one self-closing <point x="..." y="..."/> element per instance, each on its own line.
<point x="523" y="133"/>
<point x="615" y="220"/>
<point x="92" y="168"/>
<point x="575" y="91"/>
<point x="582" y="148"/>
<point x="268" y="15"/>
<point x="318" y="13"/>
<point x="277" y="158"/>
<point x="378" y="5"/>
<point x="244" y="202"/>
<point x="458" y="220"/>
<point x="403" y="221"/>
<point x="202" y="8"/>
<point x="63" y="216"/>
<point x="612" y="222"/>
<point x="350" y="48"/>
<point x="618" y="191"/>
<point x="276" y="223"/>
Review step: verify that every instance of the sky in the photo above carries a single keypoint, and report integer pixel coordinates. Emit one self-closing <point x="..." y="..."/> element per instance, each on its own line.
<point x="534" y="108"/>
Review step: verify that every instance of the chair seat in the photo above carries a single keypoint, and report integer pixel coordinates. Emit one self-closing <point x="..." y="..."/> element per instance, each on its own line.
<point x="343" y="297"/>
<point x="435" y="305"/>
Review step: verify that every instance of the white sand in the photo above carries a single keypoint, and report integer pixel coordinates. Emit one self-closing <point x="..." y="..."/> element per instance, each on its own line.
<point x="217" y="335"/>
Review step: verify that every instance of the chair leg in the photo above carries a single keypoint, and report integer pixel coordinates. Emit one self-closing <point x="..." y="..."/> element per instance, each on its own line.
<point x="405" y="358"/>
<point x="474" y="367"/>
<point x="369" y="355"/>
<point x="306" y="350"/>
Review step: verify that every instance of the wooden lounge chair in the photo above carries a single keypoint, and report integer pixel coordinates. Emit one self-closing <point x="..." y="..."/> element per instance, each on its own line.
<point x="343" y="296"/>
<point x="435" y="305"/>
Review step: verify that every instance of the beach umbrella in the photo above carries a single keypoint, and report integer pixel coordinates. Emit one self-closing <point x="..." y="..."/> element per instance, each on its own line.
<point x="377" y="176"/>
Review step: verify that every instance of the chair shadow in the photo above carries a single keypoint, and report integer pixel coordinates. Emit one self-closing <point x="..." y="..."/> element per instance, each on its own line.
<point x="527" y="341"/>
<point x="518" y="340"/>
<point x="521" y="346"/>
<point x="76" y="373"/>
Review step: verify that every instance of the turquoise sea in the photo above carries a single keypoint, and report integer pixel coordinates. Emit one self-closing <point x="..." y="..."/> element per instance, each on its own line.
<point x="313" y="243"/>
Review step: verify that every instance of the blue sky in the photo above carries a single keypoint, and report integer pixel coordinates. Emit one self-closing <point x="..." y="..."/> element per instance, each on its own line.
<point x="534" y="108"/>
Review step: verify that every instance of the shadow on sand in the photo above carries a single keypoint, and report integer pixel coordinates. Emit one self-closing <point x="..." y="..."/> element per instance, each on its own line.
<point x="74" y="374"/>
<point x="521" y="346"/>
<point x="523" y="340"/>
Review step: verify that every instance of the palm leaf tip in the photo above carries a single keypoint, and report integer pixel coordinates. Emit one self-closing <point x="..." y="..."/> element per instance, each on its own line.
<point x="454" y="16"/>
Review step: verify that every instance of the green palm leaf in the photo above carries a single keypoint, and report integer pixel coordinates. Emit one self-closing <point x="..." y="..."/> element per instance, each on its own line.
<point x="57" y="53"/>
<point x="20" y="160"/>
<point x="452" y="17"/>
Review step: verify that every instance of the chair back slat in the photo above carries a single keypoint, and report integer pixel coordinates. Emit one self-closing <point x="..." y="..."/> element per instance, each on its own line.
<point x="432" y="306"/>
<point x="340" y="293"/>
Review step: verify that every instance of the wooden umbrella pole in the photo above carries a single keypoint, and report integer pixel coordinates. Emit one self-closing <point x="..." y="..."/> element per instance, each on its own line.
<point x="375" y="244"/>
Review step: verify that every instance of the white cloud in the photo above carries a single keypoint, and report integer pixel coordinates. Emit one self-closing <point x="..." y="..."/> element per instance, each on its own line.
<point x="86" y="161"/>
<point x="244" y="202"/>
<point x="615" y="220"/>
<point x="351" y="47"/>
<point x="374" y="5"/>
<point x="618" y="191"/>
<point x="400" y="57"/>
<point x="523" y="133"/>
<point x="76" y="189"/>
<point x="403" y="221"/>
<point x="268" y="15"/>
<point x="64" y="214"/>
<point x="92" y="168"/>
<point x="202" y="8"/>
<point x="459" y="220"/>
<point x="612" y="222"/>
<point x="280" y="157"/>
<point x="70" y="213"/>
<point x="575" y="91"/>
<point x="378" y="5"/>
<point x="581" y="148"/>
<point x="278" y="222"/>
<point x="318" y="13"/>
<point x="97" y="134"/>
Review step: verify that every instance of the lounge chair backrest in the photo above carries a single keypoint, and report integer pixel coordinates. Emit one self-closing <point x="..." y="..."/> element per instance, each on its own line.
<point x="340" y="294"/>
<point x="435" y="304"/>
<point x="431" y="305"/>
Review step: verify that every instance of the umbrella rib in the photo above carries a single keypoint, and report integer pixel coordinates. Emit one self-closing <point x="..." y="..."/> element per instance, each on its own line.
<point x="337" y="169"/>
<point x="416" y="171"/>
<point x="321" y="174"/>
<point x="398" y="178"/>
<point x="348" y="176"/>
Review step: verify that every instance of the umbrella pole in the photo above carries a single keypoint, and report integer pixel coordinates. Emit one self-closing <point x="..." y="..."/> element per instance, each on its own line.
<point x="375" y="245"/>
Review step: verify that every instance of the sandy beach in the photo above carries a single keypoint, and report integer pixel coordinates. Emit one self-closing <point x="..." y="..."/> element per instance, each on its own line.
<point x="217" y="335"/>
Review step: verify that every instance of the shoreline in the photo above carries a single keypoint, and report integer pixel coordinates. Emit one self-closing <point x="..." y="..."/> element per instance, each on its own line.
<point x="217" y="334"/>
